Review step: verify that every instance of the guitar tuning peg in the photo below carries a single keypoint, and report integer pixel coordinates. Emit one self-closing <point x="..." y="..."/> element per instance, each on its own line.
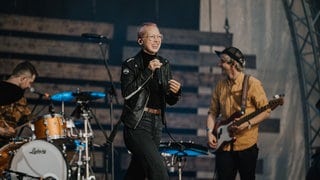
<point x="277" y="96"/>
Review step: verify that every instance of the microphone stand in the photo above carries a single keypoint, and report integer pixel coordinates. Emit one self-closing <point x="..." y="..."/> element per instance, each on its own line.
<point x="37" y="103"/>
<point x="112" y="94"/>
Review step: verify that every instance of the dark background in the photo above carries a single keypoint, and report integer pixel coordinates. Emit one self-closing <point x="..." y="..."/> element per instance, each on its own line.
<point x="166" y="13"/>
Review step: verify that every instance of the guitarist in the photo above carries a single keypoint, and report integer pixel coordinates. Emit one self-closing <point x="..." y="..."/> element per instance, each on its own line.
<point x="239" y="155"/>
<point x="13" y="104"/>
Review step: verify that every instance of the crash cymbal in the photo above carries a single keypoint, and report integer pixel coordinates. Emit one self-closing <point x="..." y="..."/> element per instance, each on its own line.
<point x="182" y="149"/>
<point x="68" y="96"/>
<point x="9" y="93"/>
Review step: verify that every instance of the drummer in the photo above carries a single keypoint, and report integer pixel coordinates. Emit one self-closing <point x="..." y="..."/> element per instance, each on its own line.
<point x="14" y="109"/>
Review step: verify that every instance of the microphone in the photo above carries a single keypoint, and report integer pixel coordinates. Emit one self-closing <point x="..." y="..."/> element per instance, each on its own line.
<point x="46" y="95"/>
<point x="158" y="71"/>
<point x="95" y="37"/>
<point x="158" y="74"/>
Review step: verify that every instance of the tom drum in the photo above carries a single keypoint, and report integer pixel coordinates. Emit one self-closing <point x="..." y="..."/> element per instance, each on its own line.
<point x="50" y="126"/>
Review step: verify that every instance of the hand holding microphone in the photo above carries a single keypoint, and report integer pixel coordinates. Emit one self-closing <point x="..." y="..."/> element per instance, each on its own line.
<point x="154" y="64"/>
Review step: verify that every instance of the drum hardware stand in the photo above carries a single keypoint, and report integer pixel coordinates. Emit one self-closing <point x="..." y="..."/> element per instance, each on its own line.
<point x="87" y="133"/>
<point x="72" y="128"/>
<point x="173" y="162"/>
<point x="79" y="162"/>
<point x="109" y="140"/>
<point x="179" y="159"/>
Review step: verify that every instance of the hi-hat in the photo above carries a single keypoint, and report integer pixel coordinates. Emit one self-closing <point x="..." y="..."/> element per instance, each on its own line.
<point x="183" y="149"/>
<point x="67" y="96"/>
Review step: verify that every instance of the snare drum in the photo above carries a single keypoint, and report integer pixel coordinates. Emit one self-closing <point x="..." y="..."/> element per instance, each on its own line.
<point x="40" y="158"/>
<point x="50" y="126"/>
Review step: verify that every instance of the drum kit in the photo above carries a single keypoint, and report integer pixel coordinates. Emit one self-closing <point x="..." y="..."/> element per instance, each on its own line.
<point x="58" y="149"/>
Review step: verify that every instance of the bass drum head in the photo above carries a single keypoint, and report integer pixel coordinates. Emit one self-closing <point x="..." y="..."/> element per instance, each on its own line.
<point x="39" y="158"/>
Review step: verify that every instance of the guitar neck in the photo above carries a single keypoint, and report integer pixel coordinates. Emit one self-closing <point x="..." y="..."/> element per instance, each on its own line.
<point x="250" y="116"/>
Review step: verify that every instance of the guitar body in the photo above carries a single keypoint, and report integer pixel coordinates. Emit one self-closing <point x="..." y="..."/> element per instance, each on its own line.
<point x="222" y="133"/>
<point x="221" y="128"/>
<point x="223" y="136"/>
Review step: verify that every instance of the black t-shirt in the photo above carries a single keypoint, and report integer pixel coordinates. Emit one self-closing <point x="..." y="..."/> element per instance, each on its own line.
<point x="9" y="93"/>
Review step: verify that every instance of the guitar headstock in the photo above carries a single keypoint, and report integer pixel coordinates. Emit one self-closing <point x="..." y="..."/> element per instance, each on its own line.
<point x="278" y="100"/>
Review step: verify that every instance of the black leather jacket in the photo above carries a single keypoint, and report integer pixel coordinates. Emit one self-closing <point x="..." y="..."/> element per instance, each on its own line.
<point x="134" y="79"/>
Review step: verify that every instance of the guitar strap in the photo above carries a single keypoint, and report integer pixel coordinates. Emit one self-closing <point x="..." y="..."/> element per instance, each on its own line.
<point x="244" y="98"/>
<point x="244" y="93"/>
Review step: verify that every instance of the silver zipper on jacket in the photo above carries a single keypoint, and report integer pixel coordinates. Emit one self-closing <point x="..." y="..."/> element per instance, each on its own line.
<point x="137" y="90"/>
<point x="142" y="112"/>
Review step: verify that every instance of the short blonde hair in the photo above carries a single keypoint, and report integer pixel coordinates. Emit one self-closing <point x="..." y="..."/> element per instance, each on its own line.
<point x="141" y="30"/>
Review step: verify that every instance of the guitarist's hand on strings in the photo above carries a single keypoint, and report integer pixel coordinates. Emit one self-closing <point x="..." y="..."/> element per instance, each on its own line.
<point x="234" y="129"/>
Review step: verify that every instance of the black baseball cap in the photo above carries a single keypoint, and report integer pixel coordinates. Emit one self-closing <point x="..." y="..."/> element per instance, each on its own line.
<point x="234" y="53"/>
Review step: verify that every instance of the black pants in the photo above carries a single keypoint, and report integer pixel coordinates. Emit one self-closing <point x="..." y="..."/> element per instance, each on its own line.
<point x="228" y="163"/>
<point x="143" y="143"/>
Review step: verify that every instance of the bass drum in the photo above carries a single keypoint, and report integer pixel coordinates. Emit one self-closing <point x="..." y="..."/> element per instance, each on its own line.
<point x="6" y="154"/>
<point x="39" y="159"/>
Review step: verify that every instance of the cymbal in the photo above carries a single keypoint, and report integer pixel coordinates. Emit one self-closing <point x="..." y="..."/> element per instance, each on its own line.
<point x="183" y="149"/>
<point x="10" y="93"/>
<point x="67" y="96"/>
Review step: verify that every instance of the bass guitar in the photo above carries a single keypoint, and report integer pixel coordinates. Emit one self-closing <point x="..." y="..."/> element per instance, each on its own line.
<point x="221" y="128"/>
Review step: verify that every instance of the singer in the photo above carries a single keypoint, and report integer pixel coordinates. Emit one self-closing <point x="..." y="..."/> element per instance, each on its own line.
<point x="13" y="104"/>
<point x="147" y="86"/>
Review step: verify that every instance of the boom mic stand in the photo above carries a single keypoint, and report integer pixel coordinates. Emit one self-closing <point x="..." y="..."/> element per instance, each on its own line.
<point x="112" y="94"/>
<point x="102" y="40"/>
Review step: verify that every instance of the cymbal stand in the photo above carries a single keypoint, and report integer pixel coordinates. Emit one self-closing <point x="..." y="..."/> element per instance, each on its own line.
<point x="179" y="159"/>
<point x="86" y="135"/>
<point x="79" y="163"/>
<point x="173" y="162"/>
<point x="62" y="108"/>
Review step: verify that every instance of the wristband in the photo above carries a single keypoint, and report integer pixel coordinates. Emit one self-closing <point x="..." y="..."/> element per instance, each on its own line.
<point x="209" y="130"/>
